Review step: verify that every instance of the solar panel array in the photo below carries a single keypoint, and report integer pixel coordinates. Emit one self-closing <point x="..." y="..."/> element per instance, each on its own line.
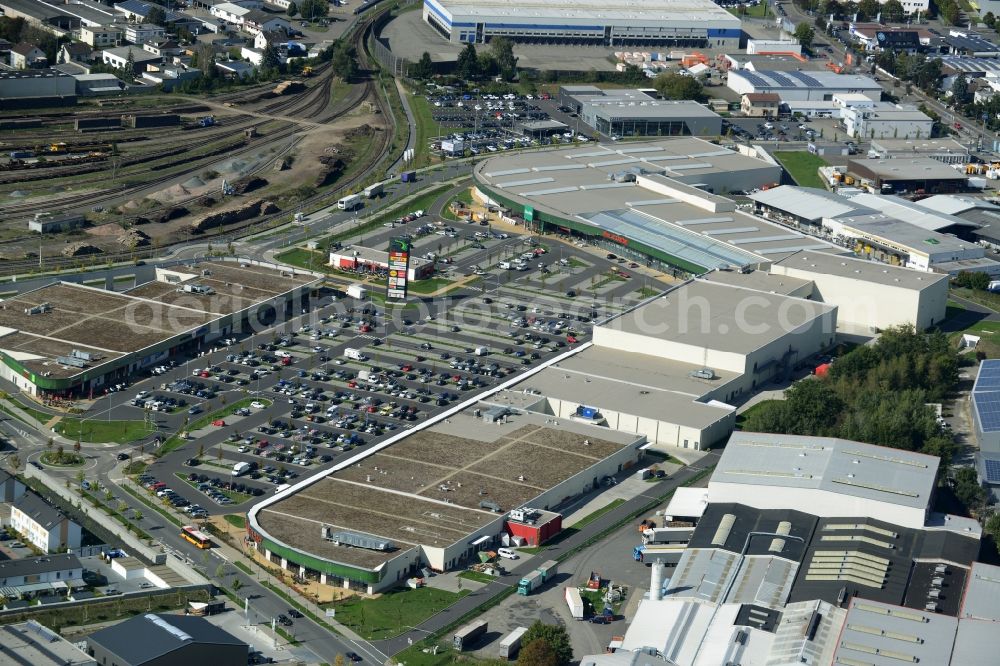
<point x="780" y="78"/>
<point x="754" y="80"/>
<point x="986" y="395"/>
<point x="806" y="79"/>
<point x="992" y="471"/>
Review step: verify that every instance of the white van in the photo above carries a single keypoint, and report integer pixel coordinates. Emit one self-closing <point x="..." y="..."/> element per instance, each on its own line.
<point x="508" y="553"/>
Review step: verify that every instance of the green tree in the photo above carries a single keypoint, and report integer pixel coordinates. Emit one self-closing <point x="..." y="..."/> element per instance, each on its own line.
<point x="502" y="50"/>
<point x="467" y="64"/>
<point x="537" y="653"/>
<point x="424" y="68"/>
<point x="868" y="9"/>
<point x="292" y="10"/>
<point x="271" y="61"/>
<point x="992" y="528"/>
<point x="989" y="19"/>
<point x="129" y="68"/>
<point x="344" y="61"/>
<point x="672" y="85"/>
<point x="556" y="639"/>
<point x="972" y="280"/>
<point x="892" y="11"/>
<point x="804" y="34"/>
<point x="967" y="488"/>
<point x="314" y="9"/>
<point x="156" y="16"/>
<point x="960" y="93"/>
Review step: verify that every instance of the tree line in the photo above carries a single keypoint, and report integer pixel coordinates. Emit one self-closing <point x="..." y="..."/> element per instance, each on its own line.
<point x="876" y="394"/>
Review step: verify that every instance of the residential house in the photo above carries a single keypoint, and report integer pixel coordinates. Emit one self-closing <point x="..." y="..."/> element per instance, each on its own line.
<point x="230" y="13"/>
<point x="75" y="52"/>
<point x="235" y="69"/>
<point x="10" y="488"/>
<point x="140" y="33"/>
<point x="35" y="576"/>
<point x="43" y="525"/>
<point x="28" y="56"/>
<point x="170" y="76"/>
<point x="272" y="37"/>
<point x="5" y="48"/>
<point x="257" y="20"/>
<point x="102" y="36"/>
<point x="165" y="48"/>
<point x="118" y="56"/>
<point x="760" y="105"/>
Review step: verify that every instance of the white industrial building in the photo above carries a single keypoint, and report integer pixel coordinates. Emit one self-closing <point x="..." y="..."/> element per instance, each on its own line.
<point x="883" y="120"/>
<point x="802" y="86"/>
<point x="828" y="477"/>
<point x="669" y="369"/>
<point x="682" y="23"/>
<point x="869" y="296"/>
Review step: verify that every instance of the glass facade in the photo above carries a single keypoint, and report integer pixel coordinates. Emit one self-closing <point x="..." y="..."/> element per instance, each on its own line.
<point x="641" y="127"/>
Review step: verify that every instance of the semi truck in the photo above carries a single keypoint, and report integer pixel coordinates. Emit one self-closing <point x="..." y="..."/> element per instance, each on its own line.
<point x="534" y="580"/>
<point x="355" y="354"/>
<point x="357" y="291"/>
<point x="349" y="202"/>
<point x="373" y="191"/>
<point x="468" y="634"/>
<point x="575" y="603"/>
<point x="510" y="644"/>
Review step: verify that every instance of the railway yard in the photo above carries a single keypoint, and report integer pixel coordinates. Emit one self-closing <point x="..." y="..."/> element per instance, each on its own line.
<point x="155" y="171"/>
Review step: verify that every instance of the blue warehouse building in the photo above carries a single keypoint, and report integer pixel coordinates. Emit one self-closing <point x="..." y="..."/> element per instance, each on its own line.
<point x="670" y="23"/>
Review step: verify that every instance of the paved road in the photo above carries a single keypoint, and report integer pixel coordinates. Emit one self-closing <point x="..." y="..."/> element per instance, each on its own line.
<point x="474" y="600"/>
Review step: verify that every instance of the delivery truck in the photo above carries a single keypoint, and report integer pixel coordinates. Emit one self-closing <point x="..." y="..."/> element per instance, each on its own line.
<point x="349" y="202"/>
<point x="241" y="468"/>
<point x="357" y="291"/>
<point x="575" y="603"/>
<point x="355" y="354"/>
<point x="534" y="580"/>
<point x="510" y="644"/>
<point x="467" y="635"/>
<point x="373" y="191"/>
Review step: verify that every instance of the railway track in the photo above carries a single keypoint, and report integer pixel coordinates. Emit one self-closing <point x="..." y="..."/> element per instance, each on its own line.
<point x="321" y="94"/>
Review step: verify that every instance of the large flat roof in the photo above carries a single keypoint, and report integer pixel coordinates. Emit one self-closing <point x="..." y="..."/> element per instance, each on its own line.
<point x="760" y="280"/>
<point x="915" y="213"/>
<point x="661" y="208"/>
<point x="608" y="10"/>
<point x="720" y="318"/>
<point x="35" y="644"/>
<point x="813" y="79"/>
<point x="621" y="107"/>
<point x="839" y="466"/>
<point x="108" y="325"/>
<point x="881" y="634"/>
<point x="914" y="238"/>
<point x="633" y="383"/>
<point x="982" y="593"/>
<point x="427" y="488"/>
<point x="919" y="146"/>
<point x="808" y="203"/>
<point x="907" y="168"/>
<point x="861" y="270"/>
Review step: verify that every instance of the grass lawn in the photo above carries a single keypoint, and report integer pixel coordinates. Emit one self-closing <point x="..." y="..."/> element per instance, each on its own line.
<point x="802" y="166"/>
<point x="236" y="520"/>
<point x="759" y="11"/>
<point x="429" y="285"/>
<point x="422" y="202"/>
<point x="984" y="298"/>
<point x="392" y="613"/>
<point x="989" y="337"/>
<point x="37" y="414"/>
<point x="476" y="575"/>
<point x="741" y="417"/>
<point x="95" y="430"/>
<point x="415" y="655"/>
<point x="303" y="258"/>
<point x="426" y="127"/>
<point x="647" y="292"/>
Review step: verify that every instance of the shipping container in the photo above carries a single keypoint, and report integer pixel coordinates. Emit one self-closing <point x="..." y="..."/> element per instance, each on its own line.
<point x="349" y="202"/>
<point x="468" y="634"/>
<point x="510" y="644"/>
<point x="575" y="603"/>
